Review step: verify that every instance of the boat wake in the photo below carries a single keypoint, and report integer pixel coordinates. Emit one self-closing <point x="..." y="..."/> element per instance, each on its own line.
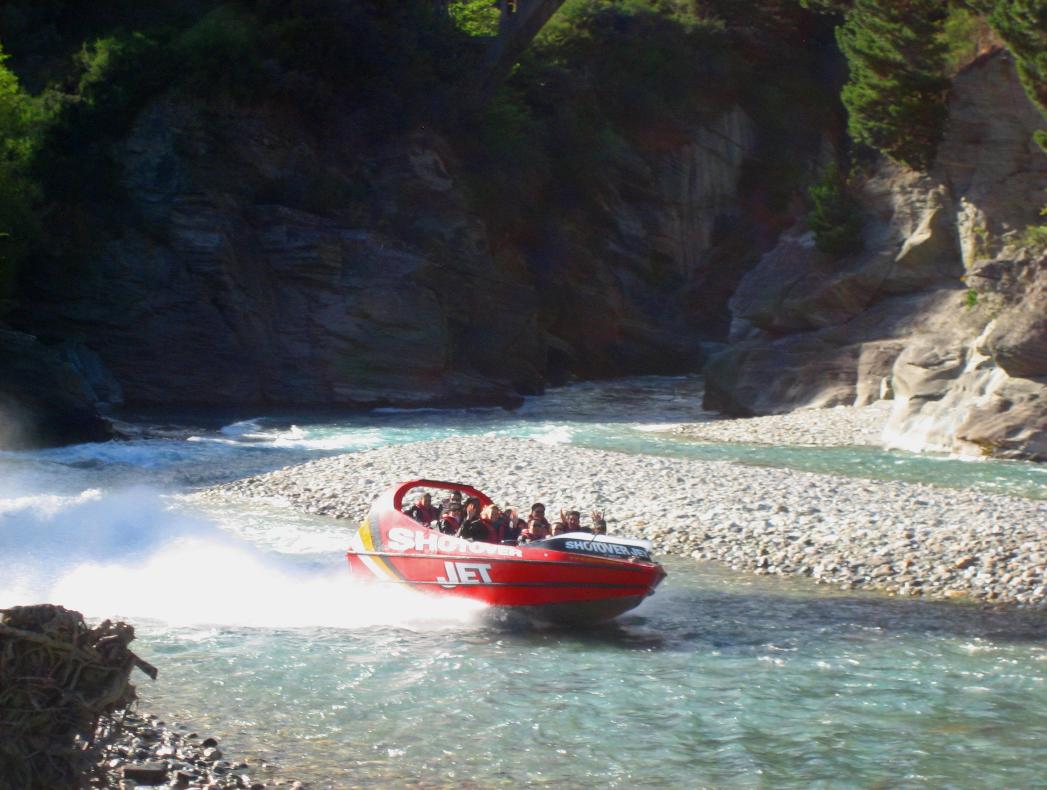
<point x="136" y="556"/>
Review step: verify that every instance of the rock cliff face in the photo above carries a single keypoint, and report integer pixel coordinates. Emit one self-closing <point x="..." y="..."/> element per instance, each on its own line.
<point x="943" y="311"/>
<point x="267" y="262"/>
<point x="631" y="285"/>
<point x="46" y="394"/>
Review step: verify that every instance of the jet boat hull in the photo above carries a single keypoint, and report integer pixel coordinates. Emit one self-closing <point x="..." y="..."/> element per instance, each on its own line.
<point x="572" y="578"/>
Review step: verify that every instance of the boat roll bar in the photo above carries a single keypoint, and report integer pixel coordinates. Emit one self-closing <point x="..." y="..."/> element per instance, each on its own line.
<point x="394" y="497"/>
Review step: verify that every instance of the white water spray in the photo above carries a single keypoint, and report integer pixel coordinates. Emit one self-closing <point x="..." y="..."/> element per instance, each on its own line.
<point x="137" y="555"/>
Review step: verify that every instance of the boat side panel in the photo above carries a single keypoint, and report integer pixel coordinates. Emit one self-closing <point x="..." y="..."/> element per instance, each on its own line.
<point x="393" y="547"/>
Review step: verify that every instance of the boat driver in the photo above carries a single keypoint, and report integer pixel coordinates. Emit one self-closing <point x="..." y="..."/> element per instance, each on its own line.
<point x="451" y="520"/>
<point x="423" y="511"/>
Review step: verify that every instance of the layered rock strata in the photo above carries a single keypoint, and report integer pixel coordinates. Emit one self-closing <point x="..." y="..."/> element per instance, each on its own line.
<point x="265" y="261"/>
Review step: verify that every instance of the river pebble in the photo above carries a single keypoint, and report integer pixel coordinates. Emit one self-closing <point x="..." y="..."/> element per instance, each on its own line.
<point x="903" y="538"/>
<point x="856" y="426"/>
<point x="145" y="751"/>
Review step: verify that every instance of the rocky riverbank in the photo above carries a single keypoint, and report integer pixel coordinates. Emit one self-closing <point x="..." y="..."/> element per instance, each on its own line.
<point x="906" y="539"/>
<point x="147" y="751"/>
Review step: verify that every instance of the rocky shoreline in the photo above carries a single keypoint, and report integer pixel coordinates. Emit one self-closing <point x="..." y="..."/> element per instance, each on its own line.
<point x="901" y="538"/>
<point x="145" y="751"/>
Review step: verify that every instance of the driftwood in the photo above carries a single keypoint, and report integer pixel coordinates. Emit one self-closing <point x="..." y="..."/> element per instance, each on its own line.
<point x="61" y="684"/>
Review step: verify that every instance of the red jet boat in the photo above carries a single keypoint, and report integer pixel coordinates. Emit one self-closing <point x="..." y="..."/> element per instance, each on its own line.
<point x="571" y="578"/>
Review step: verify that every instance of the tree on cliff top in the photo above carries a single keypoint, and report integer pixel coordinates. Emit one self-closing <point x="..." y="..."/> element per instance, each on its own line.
<point x="896" y="93"/>
<point x="1023" y="25"/>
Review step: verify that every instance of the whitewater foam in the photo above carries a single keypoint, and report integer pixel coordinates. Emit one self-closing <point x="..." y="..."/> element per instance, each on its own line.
<point x="135" y="555"/>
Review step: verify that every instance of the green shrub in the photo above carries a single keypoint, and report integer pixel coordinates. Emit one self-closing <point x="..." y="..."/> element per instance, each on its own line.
<point x="964" y="35"/>
<point x="834" y="217"/>
<point x="1035" y="236"/>
<point x="74" y="166"/>
<point x="644" y="60"/>
<point x="1021" y="23"/>
<point x="222" y="53"/>
<point x="19" y="226"/>
<point x="475" y="17"/>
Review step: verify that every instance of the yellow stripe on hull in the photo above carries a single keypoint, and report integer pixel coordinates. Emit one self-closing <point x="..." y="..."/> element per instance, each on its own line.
<point x="367" y="539"/>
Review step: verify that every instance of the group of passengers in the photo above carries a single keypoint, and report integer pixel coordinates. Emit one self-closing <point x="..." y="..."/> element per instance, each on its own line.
<point x="471" y="520"/>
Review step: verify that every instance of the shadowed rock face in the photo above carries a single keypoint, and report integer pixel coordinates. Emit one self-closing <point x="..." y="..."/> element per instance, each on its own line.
<point x="44" y="399"/>
<point x="248" y="275"/>
<point x="264" y="262"/>
<point x="1016" y="339"/>
<point x="967" y="369"/>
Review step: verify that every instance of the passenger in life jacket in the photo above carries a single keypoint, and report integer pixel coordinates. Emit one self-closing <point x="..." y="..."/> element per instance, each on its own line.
<point x="423" y="511"/>
<point x="473" y="526"/>
<point x="495" y="522"/>
<point x="451" y="520"/>
<point x="510" y="526"/>
<point x="599" y="523"/>
<point x="573" y="520"/>
<point x="537" y="525"/>
<point x="454" y="499"/>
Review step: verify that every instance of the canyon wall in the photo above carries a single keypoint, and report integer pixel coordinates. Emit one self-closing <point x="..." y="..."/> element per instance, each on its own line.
<point x="943" y="310"/>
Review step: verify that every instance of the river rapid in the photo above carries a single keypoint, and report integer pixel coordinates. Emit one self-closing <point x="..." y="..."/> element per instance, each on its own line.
<point x="720" y="680"/>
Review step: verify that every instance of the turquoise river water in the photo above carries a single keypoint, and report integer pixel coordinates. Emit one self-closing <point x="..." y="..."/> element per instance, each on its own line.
<point x="720" y="680"/>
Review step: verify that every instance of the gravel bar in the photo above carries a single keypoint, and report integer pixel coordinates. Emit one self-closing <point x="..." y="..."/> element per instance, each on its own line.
<point x="907" y="539"/>
<point x="859" y="426"/>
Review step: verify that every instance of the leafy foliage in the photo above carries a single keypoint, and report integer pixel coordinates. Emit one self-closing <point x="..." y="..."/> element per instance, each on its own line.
<point x="642" y="59"/>
<point x="18" y="192"/>
<point x="827" y="6"/>
<point x="475" y="17"/>
<point x="896" y="92"/>
<point x="401" y="63"/>
<point x="599" y="73"/>
<point x="1023" y="25"/>
<point x="96" y="65"/>
<point x="965" y="34"/>
<point x="111" y="79"/>
<point x="603" y="72"/>
<point x="834" y="218"/>
<point x="895" y="53"/>
<point x="222" y="53"/>
<point x="1035" y="238"/>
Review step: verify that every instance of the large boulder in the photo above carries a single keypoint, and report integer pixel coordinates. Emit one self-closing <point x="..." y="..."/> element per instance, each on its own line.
<point x="44" y="400"/>
<point x="985" y="393"/>
<point x="1017" y="338"/>
<point x="910" y="244"/>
